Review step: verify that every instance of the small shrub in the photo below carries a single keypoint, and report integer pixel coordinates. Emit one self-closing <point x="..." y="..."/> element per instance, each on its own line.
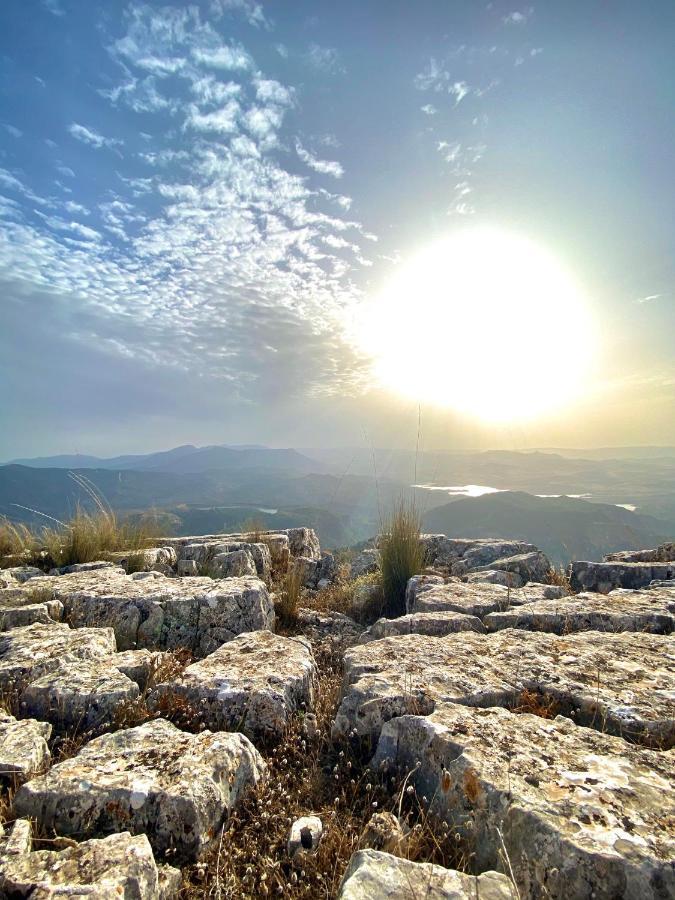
<point x="402" y="556"/>
<point x="15" y="541"/>
<point x="254" y="531"/>
<point x="558" y="575"/>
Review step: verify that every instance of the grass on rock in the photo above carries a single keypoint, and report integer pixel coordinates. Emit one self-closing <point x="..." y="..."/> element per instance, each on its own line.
<point x="402" y="556"/>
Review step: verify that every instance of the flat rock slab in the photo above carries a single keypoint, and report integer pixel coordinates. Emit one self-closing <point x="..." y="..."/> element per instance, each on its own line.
<point x="82" y="695"/>
<point x="620" y="683"/>
<point x="373" y="875"/>
<point x="30" y="652"/>
<point x="432" y="623"/>
<point x="252" y="684"/>
<point x="154" y="611"/>
<point x="662" y="553"/>
<point x="20" y="607"/>
<point x="580" y="814"/>
<point x="115" y="867"/>
<point x="652" y="611"/>
<point x="23" y="748"/>
<point x="154" y="779"/>
<point x="478" y="599"/>
<point x="606" y="576"/>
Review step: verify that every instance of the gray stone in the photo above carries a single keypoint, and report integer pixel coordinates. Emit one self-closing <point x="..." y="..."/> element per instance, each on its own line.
<point x="365" y="563"/>
<point x="187" y="567"/>
<point x="619" y="683"/>
<point x="433" y="623"/>
<point x="418" y="584"/>
<point x="232" y="564"/>
<point x="606" y="576"/>
<point x="495" y="576"/>
<point x="153" y="611"/>
<point x="652" y="611"/>
<point x="329" y="626"/>
<point x="384" y="832"/>
<point x="84" y="567"/>
<point x="138" y="665"/>
<point x="24" y="573"/>
<point x="372" y="875"/>
<point x="534" y="566"/>
<point x="28" y="653"/>
<point x="119" y="866"/>
<point x="662" y="553"/>
<point x="20" y="607"/>
<point x="479" y="599"/>
<point x="173" y="786"/>
<point x="254" y="684"/>
<point x="305" y="836"/>
<point x="23" y="747"/>
<point x="577" y="813"/>
<point x="304" y="542"/>
<point x="152" y="559"/>
<point x="81" y="694"/>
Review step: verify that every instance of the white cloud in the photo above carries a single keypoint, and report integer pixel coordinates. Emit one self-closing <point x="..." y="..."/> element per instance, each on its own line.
<point x="72" y="207"/>
<point x="66" y="171"/>
<point x="429" y="109"/>
<point x="324" y="59"/>
<point x="231" y="57"/>
<point x="223" y="120"/>
<point x="13" y="130"/>
<point x="250" y="9"/>
<point x="92" y="137"/>
<point x="518" y="17"/>
<point x="54" y="7"/>
<point x="649" y="298"/>
<point x="323" y="166"/>
<point x="282" y="50"/>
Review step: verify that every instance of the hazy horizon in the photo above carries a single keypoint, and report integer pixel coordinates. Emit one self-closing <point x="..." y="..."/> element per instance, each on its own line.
<point x="231" y="222"/>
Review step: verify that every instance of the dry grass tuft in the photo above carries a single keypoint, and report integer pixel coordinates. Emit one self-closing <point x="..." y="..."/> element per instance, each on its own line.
<point x="291" y="592"/>
<point x="343" y="596"/>
<point x="559" y="575"/>
<point x="542" y="705"/>
<point x="402" y="556"/>
<point x="312" y="775"/>
<point x="18" y="544"/>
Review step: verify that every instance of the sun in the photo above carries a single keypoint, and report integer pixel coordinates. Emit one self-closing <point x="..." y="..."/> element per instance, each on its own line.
<point x="485" y="322"/>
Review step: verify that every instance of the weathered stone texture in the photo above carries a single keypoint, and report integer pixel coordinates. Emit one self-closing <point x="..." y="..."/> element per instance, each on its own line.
<point x="475" y="599"/>
<point x="154" y="611"/>
<point x="606" y="576"/>
<point x="119" y="866"/>
<point x="431" y="623"/>
<point x="252" y="684"/>
<point x="662" y="553"/>
<point x="23" y="747"/>
<point x="372" y="875"/>
<point x="621" y="683"/>
<point x="581" y="814"/>
<point x="173" y="786"/>
<point x="621" y="610"/>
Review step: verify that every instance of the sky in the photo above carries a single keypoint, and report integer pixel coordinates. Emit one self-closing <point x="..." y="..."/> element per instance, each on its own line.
<point x="197" y="201"/>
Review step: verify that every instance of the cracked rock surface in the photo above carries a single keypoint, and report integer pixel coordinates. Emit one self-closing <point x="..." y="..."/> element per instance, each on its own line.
<point x="252" y="684"/>
<point x="23" y="747"/>
<point x="173" y="786"/>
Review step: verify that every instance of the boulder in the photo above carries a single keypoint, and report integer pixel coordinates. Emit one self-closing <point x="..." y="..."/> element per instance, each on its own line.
<point x="305" y="836"/>
<point x="365" y="563"/>
<point x="618" y="683"/>
<point x="138" y="665"/>
<point x="652" y="611"/>
<point x="23" y="748"/>
<point x="35" y="650"/>
<point x="662" y="553"/>
<point x="433" y="623"/>
<point x="372" y="875"/>
<point x="576" y="812"/>
<point x="479" y="599"/>
<point x="152" y="559"/>
<point x="21" y="574"/>
<point x="606" y="576"/>
<point x="84" y="567"/>
<point x="254" y="684"/>
<point x="329" y="625"/>
<point x="154" y="779"/>
<point x="304" y="542"/>
<point x="232" y="564"/>
<point x="81" y="694"/>
<point x="418" y="584"/>
<point x="534" y="566"/>
<point x="117" y="866"/>
<point x="150" y="610"/>
<point x="495" y="576"/>
<point x="20" y="607"/>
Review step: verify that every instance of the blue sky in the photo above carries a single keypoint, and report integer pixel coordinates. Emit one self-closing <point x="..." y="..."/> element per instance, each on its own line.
<point x="196" y="198"/>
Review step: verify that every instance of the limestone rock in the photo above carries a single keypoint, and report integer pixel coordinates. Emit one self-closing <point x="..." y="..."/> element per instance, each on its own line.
<point x="365" y="563"/>
<point x="187" y="567"/>
<point x="478" y="599"/>
<point x="304" y="542"/>
<point x="114" y="867"/>
<point x="138" y="665"/>
<point x="20" y="607"/>
<point x="418" y="584"/>
<point x="23" y="747"/>
<point x="305" y="836"/>
<point x="328" y="626"/>
<point x="84" y="567"/>
<point x="384" y="832"/>
<point x="372" y="875"/>
<point x="232" y="564"/>
<point x="495" y="576"/>
<point x="652" y="611"/>
<point x="606" y="576"/>
<point x="152" y="559"/>
<point x="534" y="566"/>
<point x="154" y="611"/>
<point x="619" y="683"/>
<point x="30" y="652"/>
<point x="24" y="573"/>
<point x="433" y="623"/>
<point x="580" y="813"/>
<point x="254" y="684"/>
<point x="662" y="553"/>
<point x="173" y="786"/>
<point x="81" y="694"/>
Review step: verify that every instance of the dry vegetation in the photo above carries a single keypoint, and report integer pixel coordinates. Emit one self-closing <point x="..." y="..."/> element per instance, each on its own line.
<point x="402" y="556"/>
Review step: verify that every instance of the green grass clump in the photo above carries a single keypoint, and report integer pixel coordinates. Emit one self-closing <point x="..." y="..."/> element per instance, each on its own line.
<point x="402" y="556"/>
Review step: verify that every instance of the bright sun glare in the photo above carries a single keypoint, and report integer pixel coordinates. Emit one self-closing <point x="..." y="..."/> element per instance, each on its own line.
<point x="484" y="322"/>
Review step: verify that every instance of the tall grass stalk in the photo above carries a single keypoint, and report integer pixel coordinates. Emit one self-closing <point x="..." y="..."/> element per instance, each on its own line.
<point x="402" y="555"/>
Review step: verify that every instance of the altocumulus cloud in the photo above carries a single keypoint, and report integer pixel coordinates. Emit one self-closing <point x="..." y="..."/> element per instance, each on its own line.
<point x="210" y="248"/>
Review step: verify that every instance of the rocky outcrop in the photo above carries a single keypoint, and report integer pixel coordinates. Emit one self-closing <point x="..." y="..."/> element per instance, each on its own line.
<point x="23" y="748"/>
<point x="662" y="553"/>
<point x="475" y="599"/>
<point x="117" y="866"/>
<point x="252" y="684"/>
<point x="607" y="576"/>
<point x="578" y="813"/>
<point x="431" y="623"/>
<point x="20" y="607"/>
<point x="365" y="563"/>
<point x="154" y="611"/>
<point x="154" y="779"/>
<point x="651" y="611"/>
<point x="619" y="683"/>
<point x="372" y="875"/>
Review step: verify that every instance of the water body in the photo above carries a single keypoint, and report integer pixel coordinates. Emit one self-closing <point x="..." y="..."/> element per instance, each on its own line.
<point x="479" y="490"/>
